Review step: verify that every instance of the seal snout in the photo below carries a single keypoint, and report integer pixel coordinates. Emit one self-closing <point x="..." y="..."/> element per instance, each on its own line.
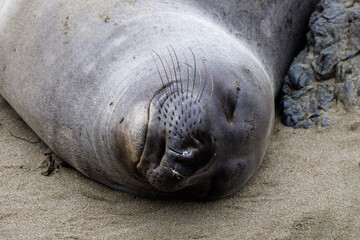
<point x="178" y="123"/>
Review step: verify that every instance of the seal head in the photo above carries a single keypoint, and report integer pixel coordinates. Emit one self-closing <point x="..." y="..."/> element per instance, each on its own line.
<point x="206" y="134"/>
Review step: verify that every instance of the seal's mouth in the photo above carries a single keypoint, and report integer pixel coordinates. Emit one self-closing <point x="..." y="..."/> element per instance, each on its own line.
<point x="171" y="170"/>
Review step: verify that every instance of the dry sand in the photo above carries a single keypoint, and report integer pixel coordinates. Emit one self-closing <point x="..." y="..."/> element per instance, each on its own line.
<point x="306" y="188"/>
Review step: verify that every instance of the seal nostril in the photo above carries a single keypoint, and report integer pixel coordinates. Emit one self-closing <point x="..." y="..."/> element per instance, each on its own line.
<point x="186" y="154"/>
<point x="179" y="153"/>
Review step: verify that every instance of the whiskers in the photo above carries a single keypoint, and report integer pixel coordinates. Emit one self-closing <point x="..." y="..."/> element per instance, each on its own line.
<point x="183" y="79"/>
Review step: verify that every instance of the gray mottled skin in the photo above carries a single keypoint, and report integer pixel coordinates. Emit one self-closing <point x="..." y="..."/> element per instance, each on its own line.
<point x="82" y="75"/>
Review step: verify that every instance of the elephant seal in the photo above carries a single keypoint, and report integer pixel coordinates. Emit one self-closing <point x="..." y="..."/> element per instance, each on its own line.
<point x="155" y="98"/>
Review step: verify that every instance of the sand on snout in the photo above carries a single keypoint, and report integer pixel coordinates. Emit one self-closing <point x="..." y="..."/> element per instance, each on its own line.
<point x="306" y="188"/>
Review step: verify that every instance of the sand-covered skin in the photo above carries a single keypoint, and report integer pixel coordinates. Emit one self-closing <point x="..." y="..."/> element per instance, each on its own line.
<point x="307" y="188"/>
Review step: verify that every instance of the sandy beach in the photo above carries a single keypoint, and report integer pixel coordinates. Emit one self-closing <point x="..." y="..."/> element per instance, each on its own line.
<point x="306" y="188"/>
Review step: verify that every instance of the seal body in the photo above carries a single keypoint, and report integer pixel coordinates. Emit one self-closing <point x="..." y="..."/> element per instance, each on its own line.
<point x="155" y="98"/>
